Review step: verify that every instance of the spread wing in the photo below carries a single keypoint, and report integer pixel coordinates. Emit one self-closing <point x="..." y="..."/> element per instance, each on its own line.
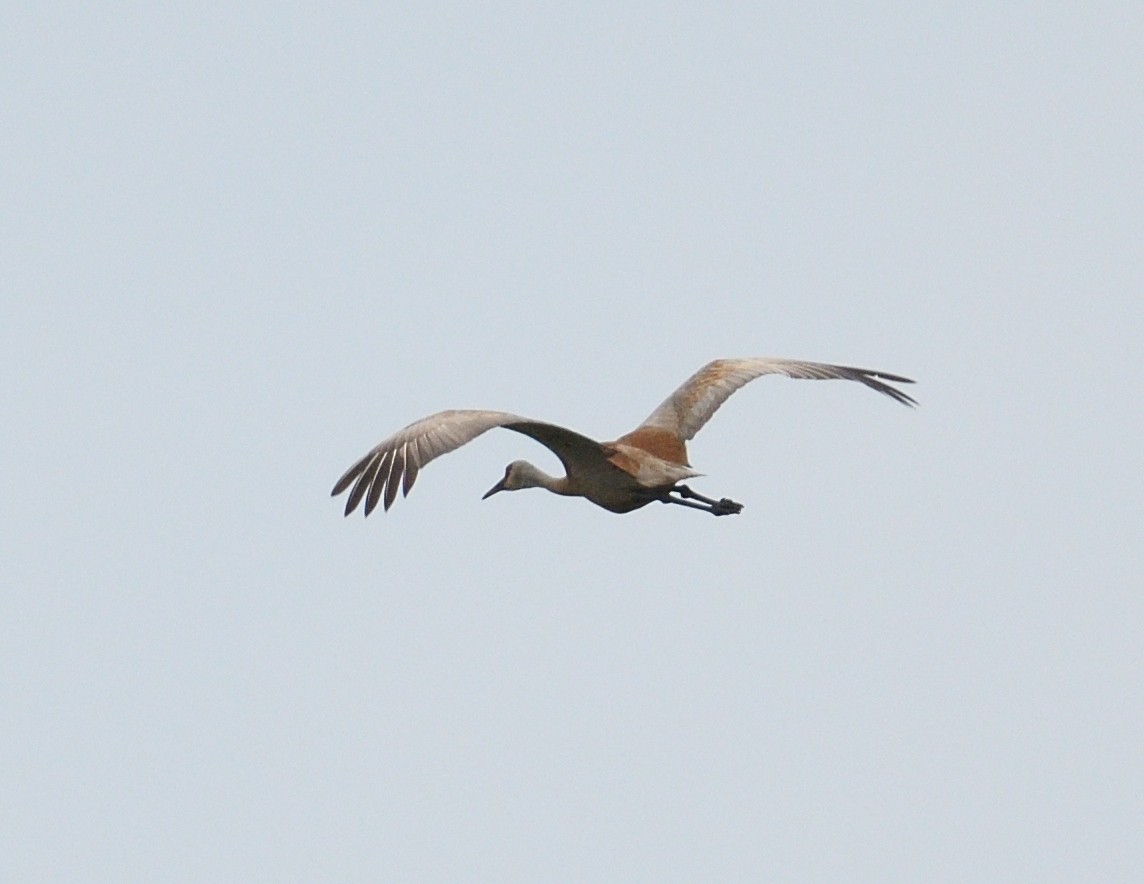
<point x="394" y="462"/>
<point x="686" y="410"/>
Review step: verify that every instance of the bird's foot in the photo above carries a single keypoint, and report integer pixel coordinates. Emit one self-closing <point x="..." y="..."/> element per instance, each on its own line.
<point x="722" y="507"/>
<point x="725" y="507"/>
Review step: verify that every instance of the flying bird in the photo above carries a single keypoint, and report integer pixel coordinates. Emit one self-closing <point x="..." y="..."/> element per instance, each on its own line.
<point x="648" y="464"/>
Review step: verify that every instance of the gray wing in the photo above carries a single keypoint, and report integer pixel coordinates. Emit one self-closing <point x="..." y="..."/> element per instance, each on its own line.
<point x="395" y="462"/>
<point x="578" y="453"/>
<point x="686" y="410"/>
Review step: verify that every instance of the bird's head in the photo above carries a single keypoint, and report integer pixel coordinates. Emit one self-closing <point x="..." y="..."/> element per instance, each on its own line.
<point x="518" y="474"/>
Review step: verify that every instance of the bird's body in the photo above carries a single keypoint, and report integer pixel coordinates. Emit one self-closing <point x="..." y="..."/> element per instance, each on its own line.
<point x="636" y="469"/>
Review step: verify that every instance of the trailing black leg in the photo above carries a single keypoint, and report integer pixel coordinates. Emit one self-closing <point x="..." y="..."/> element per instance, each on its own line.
<point x="685" y="492"/>
<point x="722" y="507"/>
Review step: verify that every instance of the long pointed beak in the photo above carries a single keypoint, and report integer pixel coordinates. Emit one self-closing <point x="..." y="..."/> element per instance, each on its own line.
<point x="499" y="486"/>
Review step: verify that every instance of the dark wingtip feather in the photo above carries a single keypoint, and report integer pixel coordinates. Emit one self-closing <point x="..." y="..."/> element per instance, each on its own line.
<point x="356" y="494"/>
<point x="874" y="380"/>
<point x="349" y="475"/>
<point x="895" y="394"/>
<point x="394" y="479"/>
<point x="372" y="497"/>
<point x="363" y="481"/>
<point x="378" y="481"/>
<point x="886" y="376"/>
<point x="411" y="469"/>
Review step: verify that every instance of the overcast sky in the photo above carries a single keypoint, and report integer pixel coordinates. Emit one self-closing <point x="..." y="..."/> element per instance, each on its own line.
<point x="240" y="245"/>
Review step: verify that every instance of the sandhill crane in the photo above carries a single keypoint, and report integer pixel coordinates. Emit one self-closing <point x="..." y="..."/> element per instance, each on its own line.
<point x="644" y="466"/>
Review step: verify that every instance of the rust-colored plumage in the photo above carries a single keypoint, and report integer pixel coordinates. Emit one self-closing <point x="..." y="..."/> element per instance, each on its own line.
<point x="657" y="442"/>
<point x="645" y="465"/>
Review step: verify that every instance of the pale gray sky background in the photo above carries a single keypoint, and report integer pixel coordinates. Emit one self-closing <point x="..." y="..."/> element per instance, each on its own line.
<point x="241" y="244"/>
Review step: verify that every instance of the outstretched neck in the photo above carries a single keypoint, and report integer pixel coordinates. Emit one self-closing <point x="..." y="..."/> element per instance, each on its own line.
<point x="534" y="477"/>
